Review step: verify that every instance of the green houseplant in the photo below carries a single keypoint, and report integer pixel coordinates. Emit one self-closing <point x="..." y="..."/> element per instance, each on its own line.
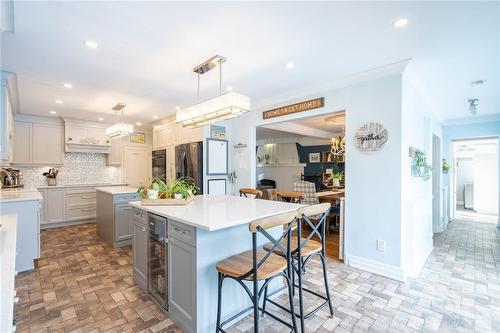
<point x="336" y="177"/>
<point x="419" y="166"/>
<point x="182" y="188"/>
<point x="446" y="166"/>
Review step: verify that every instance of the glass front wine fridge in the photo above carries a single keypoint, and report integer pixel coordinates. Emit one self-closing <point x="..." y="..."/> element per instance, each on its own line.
<point x="157" y="259"/>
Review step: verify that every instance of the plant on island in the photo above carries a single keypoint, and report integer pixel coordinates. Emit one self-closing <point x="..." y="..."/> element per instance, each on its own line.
<point x="183" y="188"/>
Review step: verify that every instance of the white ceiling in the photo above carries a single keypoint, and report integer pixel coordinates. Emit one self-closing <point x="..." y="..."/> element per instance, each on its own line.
<point x="147" y="50"/>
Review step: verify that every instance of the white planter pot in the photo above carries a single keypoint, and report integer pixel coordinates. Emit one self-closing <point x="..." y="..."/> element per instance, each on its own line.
<point x="152" y="194"/>
<point x="178" y="196"/>
<point x="336" y="182"/>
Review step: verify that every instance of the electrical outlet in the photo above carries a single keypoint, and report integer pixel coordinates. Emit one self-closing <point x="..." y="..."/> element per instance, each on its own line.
<point x="380" y="245"/>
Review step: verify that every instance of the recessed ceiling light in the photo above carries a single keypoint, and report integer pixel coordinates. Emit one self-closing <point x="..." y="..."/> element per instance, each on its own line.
<point x="52" y="112"/>
<point x="477" y="83"/>
<point x="155" y="117"/>
<point x="58" y="101"/>
<point x="90" y="43"/>
<point x="229" y="88"/>
<point x="138" y="123"/>
<point x="100" y="118"/>
<point x="400" y="22"/>
<point x="177" y="107"/>
<point x="68" y="85"/>
<point x="290" y="65"/>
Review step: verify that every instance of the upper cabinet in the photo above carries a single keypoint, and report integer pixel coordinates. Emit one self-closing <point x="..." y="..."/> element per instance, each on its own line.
<point x="85" y="137"/>
<point x="172" y="134"/>
<point x="37" y="143"/>
<point x="6" y="121"/>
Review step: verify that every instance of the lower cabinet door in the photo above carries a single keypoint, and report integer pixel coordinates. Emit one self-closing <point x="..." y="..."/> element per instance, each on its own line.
<point x="55" y="207"/>
<point x="123" y="222"/>
<point x="140" y="250"/>
<point x="182" y="275"/>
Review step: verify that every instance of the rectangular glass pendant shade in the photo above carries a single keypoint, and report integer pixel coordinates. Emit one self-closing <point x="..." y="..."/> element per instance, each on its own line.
<point x="119" y="130"/>
<point x="223" y="107"/>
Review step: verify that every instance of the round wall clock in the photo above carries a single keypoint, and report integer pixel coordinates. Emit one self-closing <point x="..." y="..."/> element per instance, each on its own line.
<point x="371" y="137"/>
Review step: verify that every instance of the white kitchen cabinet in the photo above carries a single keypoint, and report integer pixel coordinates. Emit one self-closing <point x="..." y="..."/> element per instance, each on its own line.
<point x="170" y="161"/>
<point x="47" y="145"/>
<point x="140" y="248"/>
<point x="136" y="165"/>
<point x="43" y="206"/>
<point x="22" y="142"/>
<point x="6" y="122"/>
<point x="114" y="157"/>
<point x="55" y="205"/>
<point x="173" y="134"/>
<point x="38" y="143"/>
<point x="123" y="222"/>
<point x="85" y="136"/>
<point x="160" y="137"/>
<point x="191" y="134"/>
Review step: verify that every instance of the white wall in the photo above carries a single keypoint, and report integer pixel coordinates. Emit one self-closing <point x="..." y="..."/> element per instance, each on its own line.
<point x="416" y="194"/>
<point x="373" y="181"/>
<point x="465" y="175"/>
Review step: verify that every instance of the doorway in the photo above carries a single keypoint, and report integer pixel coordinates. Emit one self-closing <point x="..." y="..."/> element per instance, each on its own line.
<point x="307" y="150"/>
<point x="475" y="179"/>
<point x="437" y="220"/>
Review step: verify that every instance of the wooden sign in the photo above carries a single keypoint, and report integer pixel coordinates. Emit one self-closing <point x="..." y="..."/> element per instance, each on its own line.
<point x="371" y="137"/>
<point x="294" y="108"/>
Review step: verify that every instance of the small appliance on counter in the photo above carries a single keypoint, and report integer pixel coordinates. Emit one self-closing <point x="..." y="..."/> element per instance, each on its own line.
<point x="51" y="176"/>
<point x="11" y="178"/>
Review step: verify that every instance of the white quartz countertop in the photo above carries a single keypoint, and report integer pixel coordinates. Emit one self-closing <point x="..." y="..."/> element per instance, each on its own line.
<point x="117" y="189"/>
<point x="82" y="185"/>
<point x="13" y="195"/>
<point x="219" y="212"/>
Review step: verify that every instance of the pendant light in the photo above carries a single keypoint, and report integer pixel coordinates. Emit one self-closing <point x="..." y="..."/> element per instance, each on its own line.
<point x="225" y="106"/>
<point x="119" y="129"/>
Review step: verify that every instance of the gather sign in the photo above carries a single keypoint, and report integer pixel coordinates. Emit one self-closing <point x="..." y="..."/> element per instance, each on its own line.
<point x="294" y="108"/>
<point x="371" y="137"/>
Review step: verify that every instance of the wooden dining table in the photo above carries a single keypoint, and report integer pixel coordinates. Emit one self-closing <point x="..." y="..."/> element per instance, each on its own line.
<point x="329" y="196"/>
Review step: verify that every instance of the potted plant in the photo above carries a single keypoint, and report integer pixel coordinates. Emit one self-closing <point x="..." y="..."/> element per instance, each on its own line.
<point x="336" y="177"/>
<point x="182" y="188"/>
<point x="446" y="166"/>
<point x="419" y="166"/>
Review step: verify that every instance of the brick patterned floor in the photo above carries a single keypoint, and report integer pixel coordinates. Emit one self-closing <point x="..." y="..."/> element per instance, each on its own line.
<point x="83" y="285"/>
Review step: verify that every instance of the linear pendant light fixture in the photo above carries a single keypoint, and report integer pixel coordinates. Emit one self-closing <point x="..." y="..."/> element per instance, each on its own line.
<point x="219" y="108"/>
<point x="119" y="130"/>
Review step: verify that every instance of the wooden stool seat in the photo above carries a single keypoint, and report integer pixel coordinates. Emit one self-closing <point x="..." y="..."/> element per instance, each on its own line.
<point x="240" y="264"/>
<point x="252" y="191"/>
<point x="311" y="247"/>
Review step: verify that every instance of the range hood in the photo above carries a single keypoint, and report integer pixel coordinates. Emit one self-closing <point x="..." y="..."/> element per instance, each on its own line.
<point x="85" y="137"/>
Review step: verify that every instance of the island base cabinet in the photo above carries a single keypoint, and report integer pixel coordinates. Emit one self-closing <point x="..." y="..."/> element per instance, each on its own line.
<point x="140" y="249"/>
<point x="123" y="223"/>
<point x="182" y="283"/>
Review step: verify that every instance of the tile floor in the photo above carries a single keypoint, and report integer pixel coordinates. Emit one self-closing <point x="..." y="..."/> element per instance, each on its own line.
<point x="83" y="285"/>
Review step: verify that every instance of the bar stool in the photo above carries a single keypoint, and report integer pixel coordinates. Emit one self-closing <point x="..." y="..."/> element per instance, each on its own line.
<point x="250" y="191"/>
<point x="301" y="253"/>
<point x="257" y="265"/>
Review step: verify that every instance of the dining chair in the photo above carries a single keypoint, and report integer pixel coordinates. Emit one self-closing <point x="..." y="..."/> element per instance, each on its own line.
<point x="250" y="191"/>
<point x="309" y="191"/>
<point x="290" y="196"/>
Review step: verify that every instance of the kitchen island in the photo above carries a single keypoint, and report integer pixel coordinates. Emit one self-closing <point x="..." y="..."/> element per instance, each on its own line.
<point x="199" y="234"/>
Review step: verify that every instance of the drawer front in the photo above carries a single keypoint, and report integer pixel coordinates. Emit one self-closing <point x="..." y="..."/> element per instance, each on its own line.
<point x="140" y="216"/>
<point x="80" y="190"/>
<point x="80" y="199"/>
<point x="182" y="232"/>
<point x="124" y="198"/>
<point x="80" y="213"/>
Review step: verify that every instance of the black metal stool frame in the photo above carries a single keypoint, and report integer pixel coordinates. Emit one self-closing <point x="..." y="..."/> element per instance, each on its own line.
<point x="298" y="265"/>
<point x="256" y="295"/>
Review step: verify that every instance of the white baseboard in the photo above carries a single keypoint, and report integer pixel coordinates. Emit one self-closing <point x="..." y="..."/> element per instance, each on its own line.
<point x="372" y="266"/>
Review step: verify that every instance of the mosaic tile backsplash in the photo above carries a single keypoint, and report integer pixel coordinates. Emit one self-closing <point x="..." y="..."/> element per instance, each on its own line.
<point x="78" y="168"/>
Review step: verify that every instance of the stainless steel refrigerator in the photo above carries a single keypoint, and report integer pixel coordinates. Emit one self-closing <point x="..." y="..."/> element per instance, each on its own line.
<point x="189" y="162"/>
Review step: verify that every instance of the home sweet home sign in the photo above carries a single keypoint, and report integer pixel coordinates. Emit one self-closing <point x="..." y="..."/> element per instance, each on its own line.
<point x="294" y="108"/>
<point x="371" y="137"/>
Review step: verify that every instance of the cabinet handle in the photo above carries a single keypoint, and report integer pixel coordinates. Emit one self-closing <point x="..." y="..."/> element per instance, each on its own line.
<point x="87" y="197"/>
<point x="69" y="139"/>
<point x="86" y="210"/>
<point x="180" y="231"/>
<point x="143" y="229"/>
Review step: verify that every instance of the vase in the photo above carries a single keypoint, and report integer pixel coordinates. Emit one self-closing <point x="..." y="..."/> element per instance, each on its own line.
<point x="152" y="194"/>
<point x="178" y="196"/>
<point x="336" y="182"/>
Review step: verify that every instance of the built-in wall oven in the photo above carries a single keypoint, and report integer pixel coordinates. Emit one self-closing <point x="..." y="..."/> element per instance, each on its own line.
<point x="159" y="163"/>
<point x="158" y="259"/>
